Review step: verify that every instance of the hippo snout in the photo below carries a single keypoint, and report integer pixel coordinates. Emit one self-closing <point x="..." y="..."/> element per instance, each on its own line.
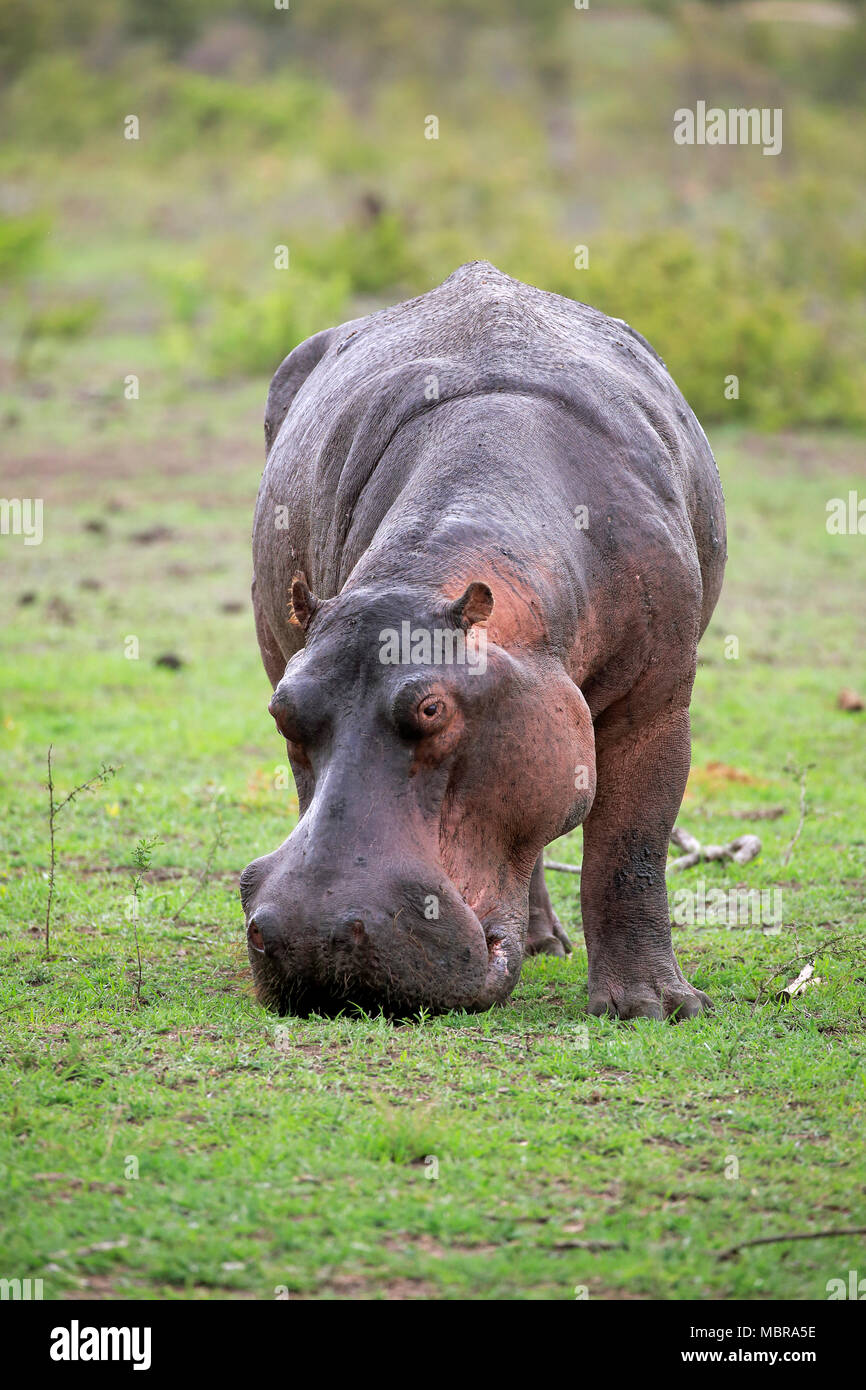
<point x="399" y="942"/>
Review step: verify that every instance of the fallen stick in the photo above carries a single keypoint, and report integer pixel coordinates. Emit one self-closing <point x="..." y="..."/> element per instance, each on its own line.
<point x="488" y="1038"/>
<point x="798" y="1235"/>
<point x="742" y="850"/>
<point x="809" y="958"/>
<point x="561" y="868"/>
<point x="592" y="1245"/>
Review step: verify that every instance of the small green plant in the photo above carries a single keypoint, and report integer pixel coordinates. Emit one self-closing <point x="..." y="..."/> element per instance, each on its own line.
<point x="142" y="856"/>
<point x="799" y="774"/>
<point x="54" y="809"/>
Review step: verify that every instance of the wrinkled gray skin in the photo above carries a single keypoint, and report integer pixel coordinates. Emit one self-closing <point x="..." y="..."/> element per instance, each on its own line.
<point x="429" y="463"/>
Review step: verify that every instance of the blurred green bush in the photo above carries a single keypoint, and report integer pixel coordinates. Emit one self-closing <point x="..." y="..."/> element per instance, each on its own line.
<point x="22" y="240"/>
<point x="250" y="335"/>
<point x="714" y="312"/>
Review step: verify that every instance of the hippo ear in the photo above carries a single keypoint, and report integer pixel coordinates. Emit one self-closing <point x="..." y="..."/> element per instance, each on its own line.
<point x="473" y="606"/>
<point x="304" y="604"/>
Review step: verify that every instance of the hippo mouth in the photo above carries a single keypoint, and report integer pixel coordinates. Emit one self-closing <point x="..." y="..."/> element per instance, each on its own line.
<point x="504" y="954"/>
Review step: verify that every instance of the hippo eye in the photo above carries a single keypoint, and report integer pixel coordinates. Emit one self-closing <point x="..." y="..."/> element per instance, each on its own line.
<point x="430" y="711"/>
<point x="418" y="712"/>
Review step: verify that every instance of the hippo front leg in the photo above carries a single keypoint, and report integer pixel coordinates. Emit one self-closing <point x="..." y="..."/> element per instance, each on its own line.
<point x="642" y="774"/>
<point x="546" y="935"/>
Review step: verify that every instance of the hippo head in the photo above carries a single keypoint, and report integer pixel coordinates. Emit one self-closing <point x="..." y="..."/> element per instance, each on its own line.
<point x="432" y="767"/>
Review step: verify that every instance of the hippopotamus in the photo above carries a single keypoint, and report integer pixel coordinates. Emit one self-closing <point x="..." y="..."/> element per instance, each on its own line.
<point x="489" y="534"/>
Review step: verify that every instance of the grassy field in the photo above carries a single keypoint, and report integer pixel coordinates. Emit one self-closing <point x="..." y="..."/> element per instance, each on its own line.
<point x="179" y="1142"/>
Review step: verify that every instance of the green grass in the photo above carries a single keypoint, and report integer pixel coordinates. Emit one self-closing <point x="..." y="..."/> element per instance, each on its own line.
<point x="186" y="1144"/>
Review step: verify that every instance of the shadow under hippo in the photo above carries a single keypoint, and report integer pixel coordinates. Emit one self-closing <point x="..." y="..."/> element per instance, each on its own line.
<point x="489" y="535"/>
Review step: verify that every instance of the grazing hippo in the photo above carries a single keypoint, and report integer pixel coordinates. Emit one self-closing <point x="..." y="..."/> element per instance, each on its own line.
<point x="489" y="534"/>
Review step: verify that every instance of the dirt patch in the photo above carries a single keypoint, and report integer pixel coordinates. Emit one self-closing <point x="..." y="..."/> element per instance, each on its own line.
<point x="810" y="456"/>
<point x="95" y="1287"/>
<point x="405" y="1240"/>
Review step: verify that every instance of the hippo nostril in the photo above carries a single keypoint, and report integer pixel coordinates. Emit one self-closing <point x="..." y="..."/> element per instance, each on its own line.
<point x="266" y="930"/>
<point x="358" y="931"/>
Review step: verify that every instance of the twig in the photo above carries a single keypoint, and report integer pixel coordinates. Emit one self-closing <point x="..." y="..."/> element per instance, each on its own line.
<point x="561" y="868"/>
<point x="786" y="857"/>
<point x="54" y="809"/>
<point x="51" y="814"/>
<point x="809" y="958"/>
<point x="592" y="1245"/>
<point x="797" y="1235"/>
<point x="489" y="1038"/>
<point x="742" y="850"/>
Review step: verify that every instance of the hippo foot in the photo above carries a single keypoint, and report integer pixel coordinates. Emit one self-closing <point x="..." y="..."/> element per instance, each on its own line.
<point x="670" y="998"/>
<point x="546" y="935"/>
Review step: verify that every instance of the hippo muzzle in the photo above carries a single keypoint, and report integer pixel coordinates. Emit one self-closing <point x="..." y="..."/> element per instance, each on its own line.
<point x="395" y="937"/>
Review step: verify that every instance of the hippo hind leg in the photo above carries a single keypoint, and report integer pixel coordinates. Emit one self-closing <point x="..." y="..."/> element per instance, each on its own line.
<point x="546" y="935"/>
